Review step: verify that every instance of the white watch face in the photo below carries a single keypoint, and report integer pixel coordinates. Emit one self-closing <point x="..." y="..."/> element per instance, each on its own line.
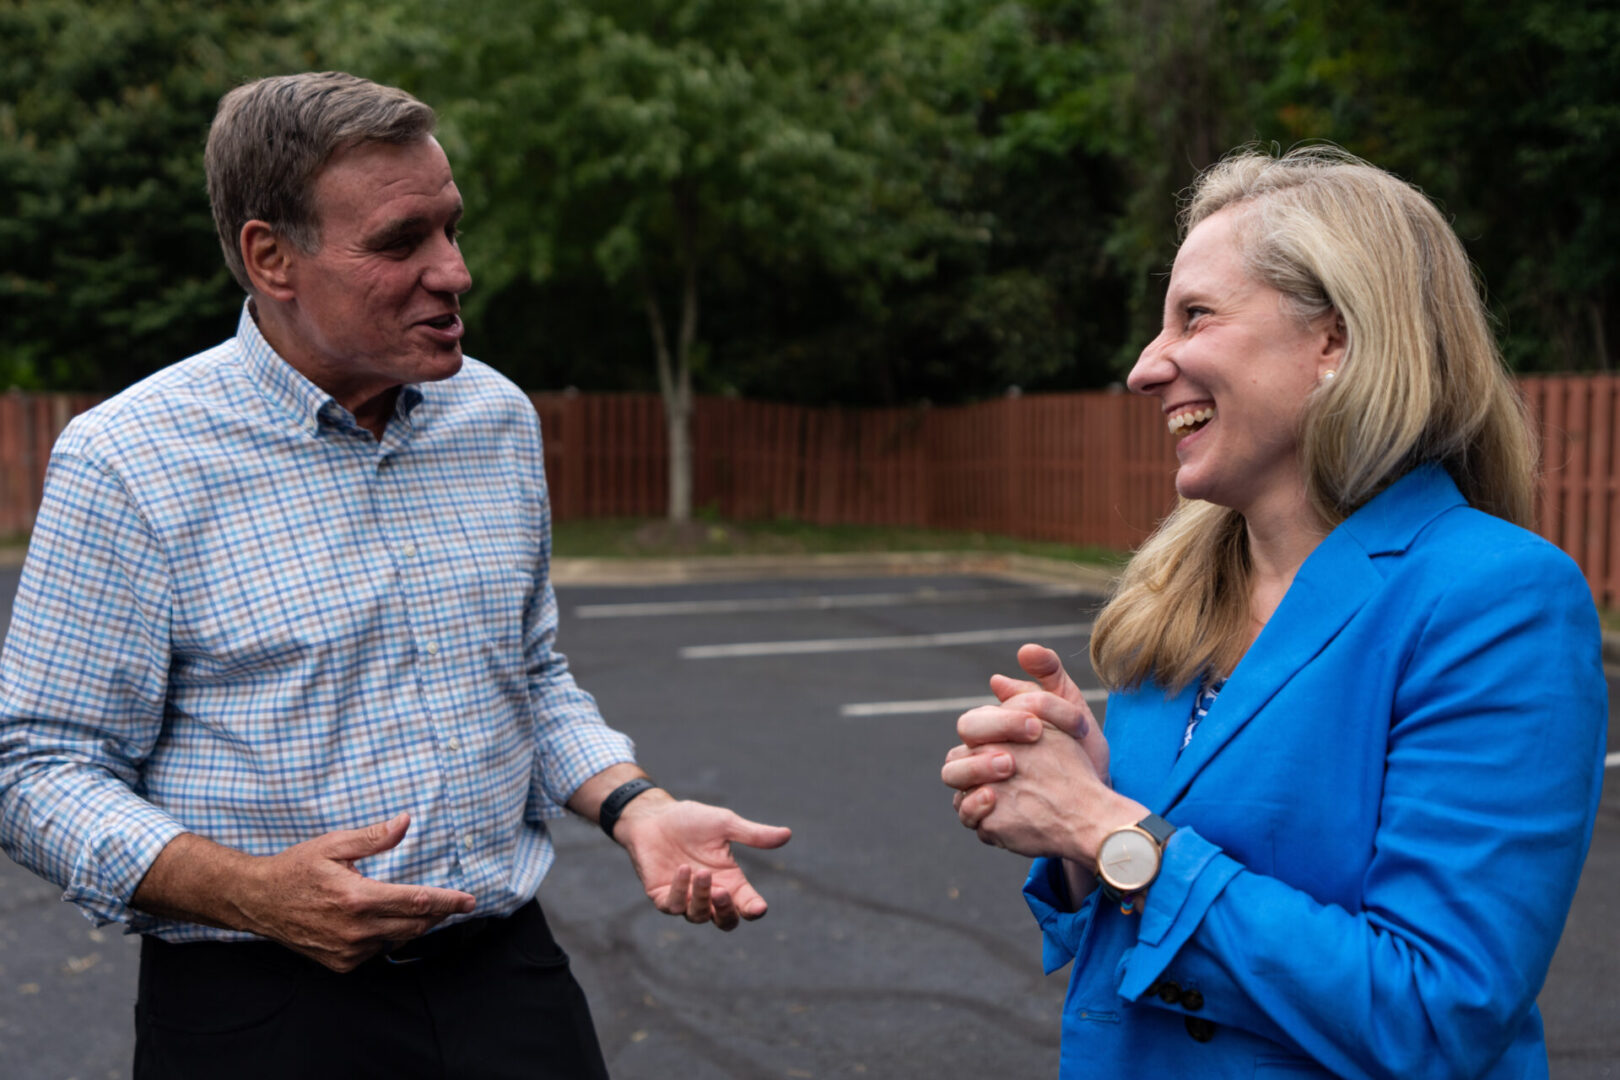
<point x="1128" y="860"/>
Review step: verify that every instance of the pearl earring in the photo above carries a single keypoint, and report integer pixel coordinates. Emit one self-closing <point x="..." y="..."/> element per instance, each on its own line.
<point x="1328" y="376"/>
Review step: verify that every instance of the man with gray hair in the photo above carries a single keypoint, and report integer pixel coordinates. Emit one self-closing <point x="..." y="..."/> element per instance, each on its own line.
<point x="281" y="690"/>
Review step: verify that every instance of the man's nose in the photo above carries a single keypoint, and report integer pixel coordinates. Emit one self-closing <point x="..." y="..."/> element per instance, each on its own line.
<point x="448" y="272"/>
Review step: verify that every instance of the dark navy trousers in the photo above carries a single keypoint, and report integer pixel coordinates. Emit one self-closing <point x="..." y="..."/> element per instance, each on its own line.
<point x="492" y="1000"/>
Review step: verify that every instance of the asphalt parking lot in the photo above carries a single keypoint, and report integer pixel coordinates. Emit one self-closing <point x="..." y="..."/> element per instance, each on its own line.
<point x="896" y="945"/>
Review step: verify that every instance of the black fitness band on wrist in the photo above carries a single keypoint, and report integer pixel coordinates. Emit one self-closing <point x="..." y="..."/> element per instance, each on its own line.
<point x="618" y="799"/>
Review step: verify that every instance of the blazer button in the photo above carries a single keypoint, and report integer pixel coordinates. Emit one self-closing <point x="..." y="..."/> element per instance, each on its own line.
<point x="1200" y="1029"/>
<point x="1192" y="1000"/>
<point x="1169" y="992"/>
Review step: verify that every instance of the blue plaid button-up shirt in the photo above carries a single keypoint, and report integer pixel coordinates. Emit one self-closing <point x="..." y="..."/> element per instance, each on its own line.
<point x="244" y="617"/>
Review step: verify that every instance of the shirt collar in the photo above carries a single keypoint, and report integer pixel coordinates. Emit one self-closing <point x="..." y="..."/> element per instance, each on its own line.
<point x="289" y="392"/>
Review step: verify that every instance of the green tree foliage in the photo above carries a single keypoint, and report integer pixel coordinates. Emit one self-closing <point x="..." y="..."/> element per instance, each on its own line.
<point x="820" y="166"/>
<point x="816" y="200"/>
<point x="1508" y="114"/>
<point x="682" y="148"/>
<point x="111" y="268"/>
<point x="1136" y="98"/>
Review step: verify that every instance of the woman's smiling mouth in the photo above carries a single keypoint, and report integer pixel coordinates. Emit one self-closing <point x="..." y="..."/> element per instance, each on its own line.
<point x="1188" y="421"/>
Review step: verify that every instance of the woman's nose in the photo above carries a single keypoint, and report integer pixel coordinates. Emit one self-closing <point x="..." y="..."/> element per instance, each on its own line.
<point x="1153" y="368"/>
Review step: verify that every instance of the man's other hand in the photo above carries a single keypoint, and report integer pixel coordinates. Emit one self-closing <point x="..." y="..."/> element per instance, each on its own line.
<point x="315" y="902"/>
<point x="309" y="897"/>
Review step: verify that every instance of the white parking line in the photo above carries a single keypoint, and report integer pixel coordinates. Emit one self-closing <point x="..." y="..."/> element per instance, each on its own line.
<point x="939" y="705"/>
<point x="1611" y="761"/>
<point x="864" y="644"/>
<point x="821" y="603"/>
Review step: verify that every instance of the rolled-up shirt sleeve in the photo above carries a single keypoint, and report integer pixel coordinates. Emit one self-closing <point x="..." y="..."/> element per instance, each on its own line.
<point x="83" y="684"/>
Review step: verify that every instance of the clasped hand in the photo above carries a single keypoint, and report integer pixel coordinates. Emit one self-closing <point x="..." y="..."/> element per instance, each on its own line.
<point x="1031" y="773"/>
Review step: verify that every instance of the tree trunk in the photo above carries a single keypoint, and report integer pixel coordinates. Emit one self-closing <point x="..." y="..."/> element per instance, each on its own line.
<point x="680" y="463"/>
<point x="675" y="373"/>
<point x="675" y="386"/>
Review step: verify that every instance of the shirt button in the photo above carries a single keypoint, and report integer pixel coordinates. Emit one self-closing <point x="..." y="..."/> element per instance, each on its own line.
<point x="454" y="744"/>
<point x="432" y="648"/>
<point x="1192" y="1000"/>
<point x="409" y="551"/>
<point x="1169" y="992"/>
<point x="467" y="842"/>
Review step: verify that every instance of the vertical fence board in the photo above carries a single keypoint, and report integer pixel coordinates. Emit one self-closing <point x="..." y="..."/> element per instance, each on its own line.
<point x="1596" y="526"/>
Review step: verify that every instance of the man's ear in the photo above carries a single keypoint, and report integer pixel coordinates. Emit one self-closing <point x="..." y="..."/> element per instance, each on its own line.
<point x="268" y="258"/>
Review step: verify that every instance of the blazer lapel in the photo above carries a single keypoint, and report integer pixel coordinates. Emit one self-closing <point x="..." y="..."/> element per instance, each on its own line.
<point x="1336" y="580"/>
<point x="1144" y="732"/>
<point x="1328" y="590"/>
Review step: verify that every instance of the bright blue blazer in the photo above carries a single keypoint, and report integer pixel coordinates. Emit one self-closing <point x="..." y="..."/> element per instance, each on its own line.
<point x="1380" y="823"/>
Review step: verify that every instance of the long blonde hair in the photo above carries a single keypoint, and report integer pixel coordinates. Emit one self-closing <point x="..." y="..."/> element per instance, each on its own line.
<point x="1421" y="381"/>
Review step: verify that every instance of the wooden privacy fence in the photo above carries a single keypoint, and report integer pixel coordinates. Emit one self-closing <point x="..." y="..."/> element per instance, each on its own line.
<point x="1087" y="468"/>
<point x="1083" y="468"/>
<point x="29" y="425"/>
<point x="1578" y="417"/>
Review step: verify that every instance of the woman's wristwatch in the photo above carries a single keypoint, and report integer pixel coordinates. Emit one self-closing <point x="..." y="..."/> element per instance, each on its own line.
<point x="1129" y="859"/>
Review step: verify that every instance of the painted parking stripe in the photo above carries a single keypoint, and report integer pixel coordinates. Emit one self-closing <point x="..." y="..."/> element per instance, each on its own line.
<point x="868" y="644"/>
<point x="1611" y="761"/>
<point x="939" y="705"/>
<point x="821" y="603"/>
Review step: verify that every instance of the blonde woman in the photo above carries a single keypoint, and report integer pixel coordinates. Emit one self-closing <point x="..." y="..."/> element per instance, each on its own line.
<point x="1356" y="728"/>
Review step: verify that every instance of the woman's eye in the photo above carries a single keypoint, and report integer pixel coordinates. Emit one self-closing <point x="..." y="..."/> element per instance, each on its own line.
<point x="1195" y="313"/>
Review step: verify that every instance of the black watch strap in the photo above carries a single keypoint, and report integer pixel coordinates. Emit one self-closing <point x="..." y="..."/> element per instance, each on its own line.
<point x="1109" y="893"/>
<point x="1156" y="827"/>
<point x="618" y="799"/>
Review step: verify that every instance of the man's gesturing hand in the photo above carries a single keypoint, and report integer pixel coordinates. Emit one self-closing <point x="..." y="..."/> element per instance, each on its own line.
<point x="309" y="897"/>
<point x="682" y="853"/>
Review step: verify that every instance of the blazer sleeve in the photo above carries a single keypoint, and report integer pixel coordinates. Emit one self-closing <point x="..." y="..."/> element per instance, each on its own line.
<point x="1063" y="931"/>
<point x="1493" y="773"/>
